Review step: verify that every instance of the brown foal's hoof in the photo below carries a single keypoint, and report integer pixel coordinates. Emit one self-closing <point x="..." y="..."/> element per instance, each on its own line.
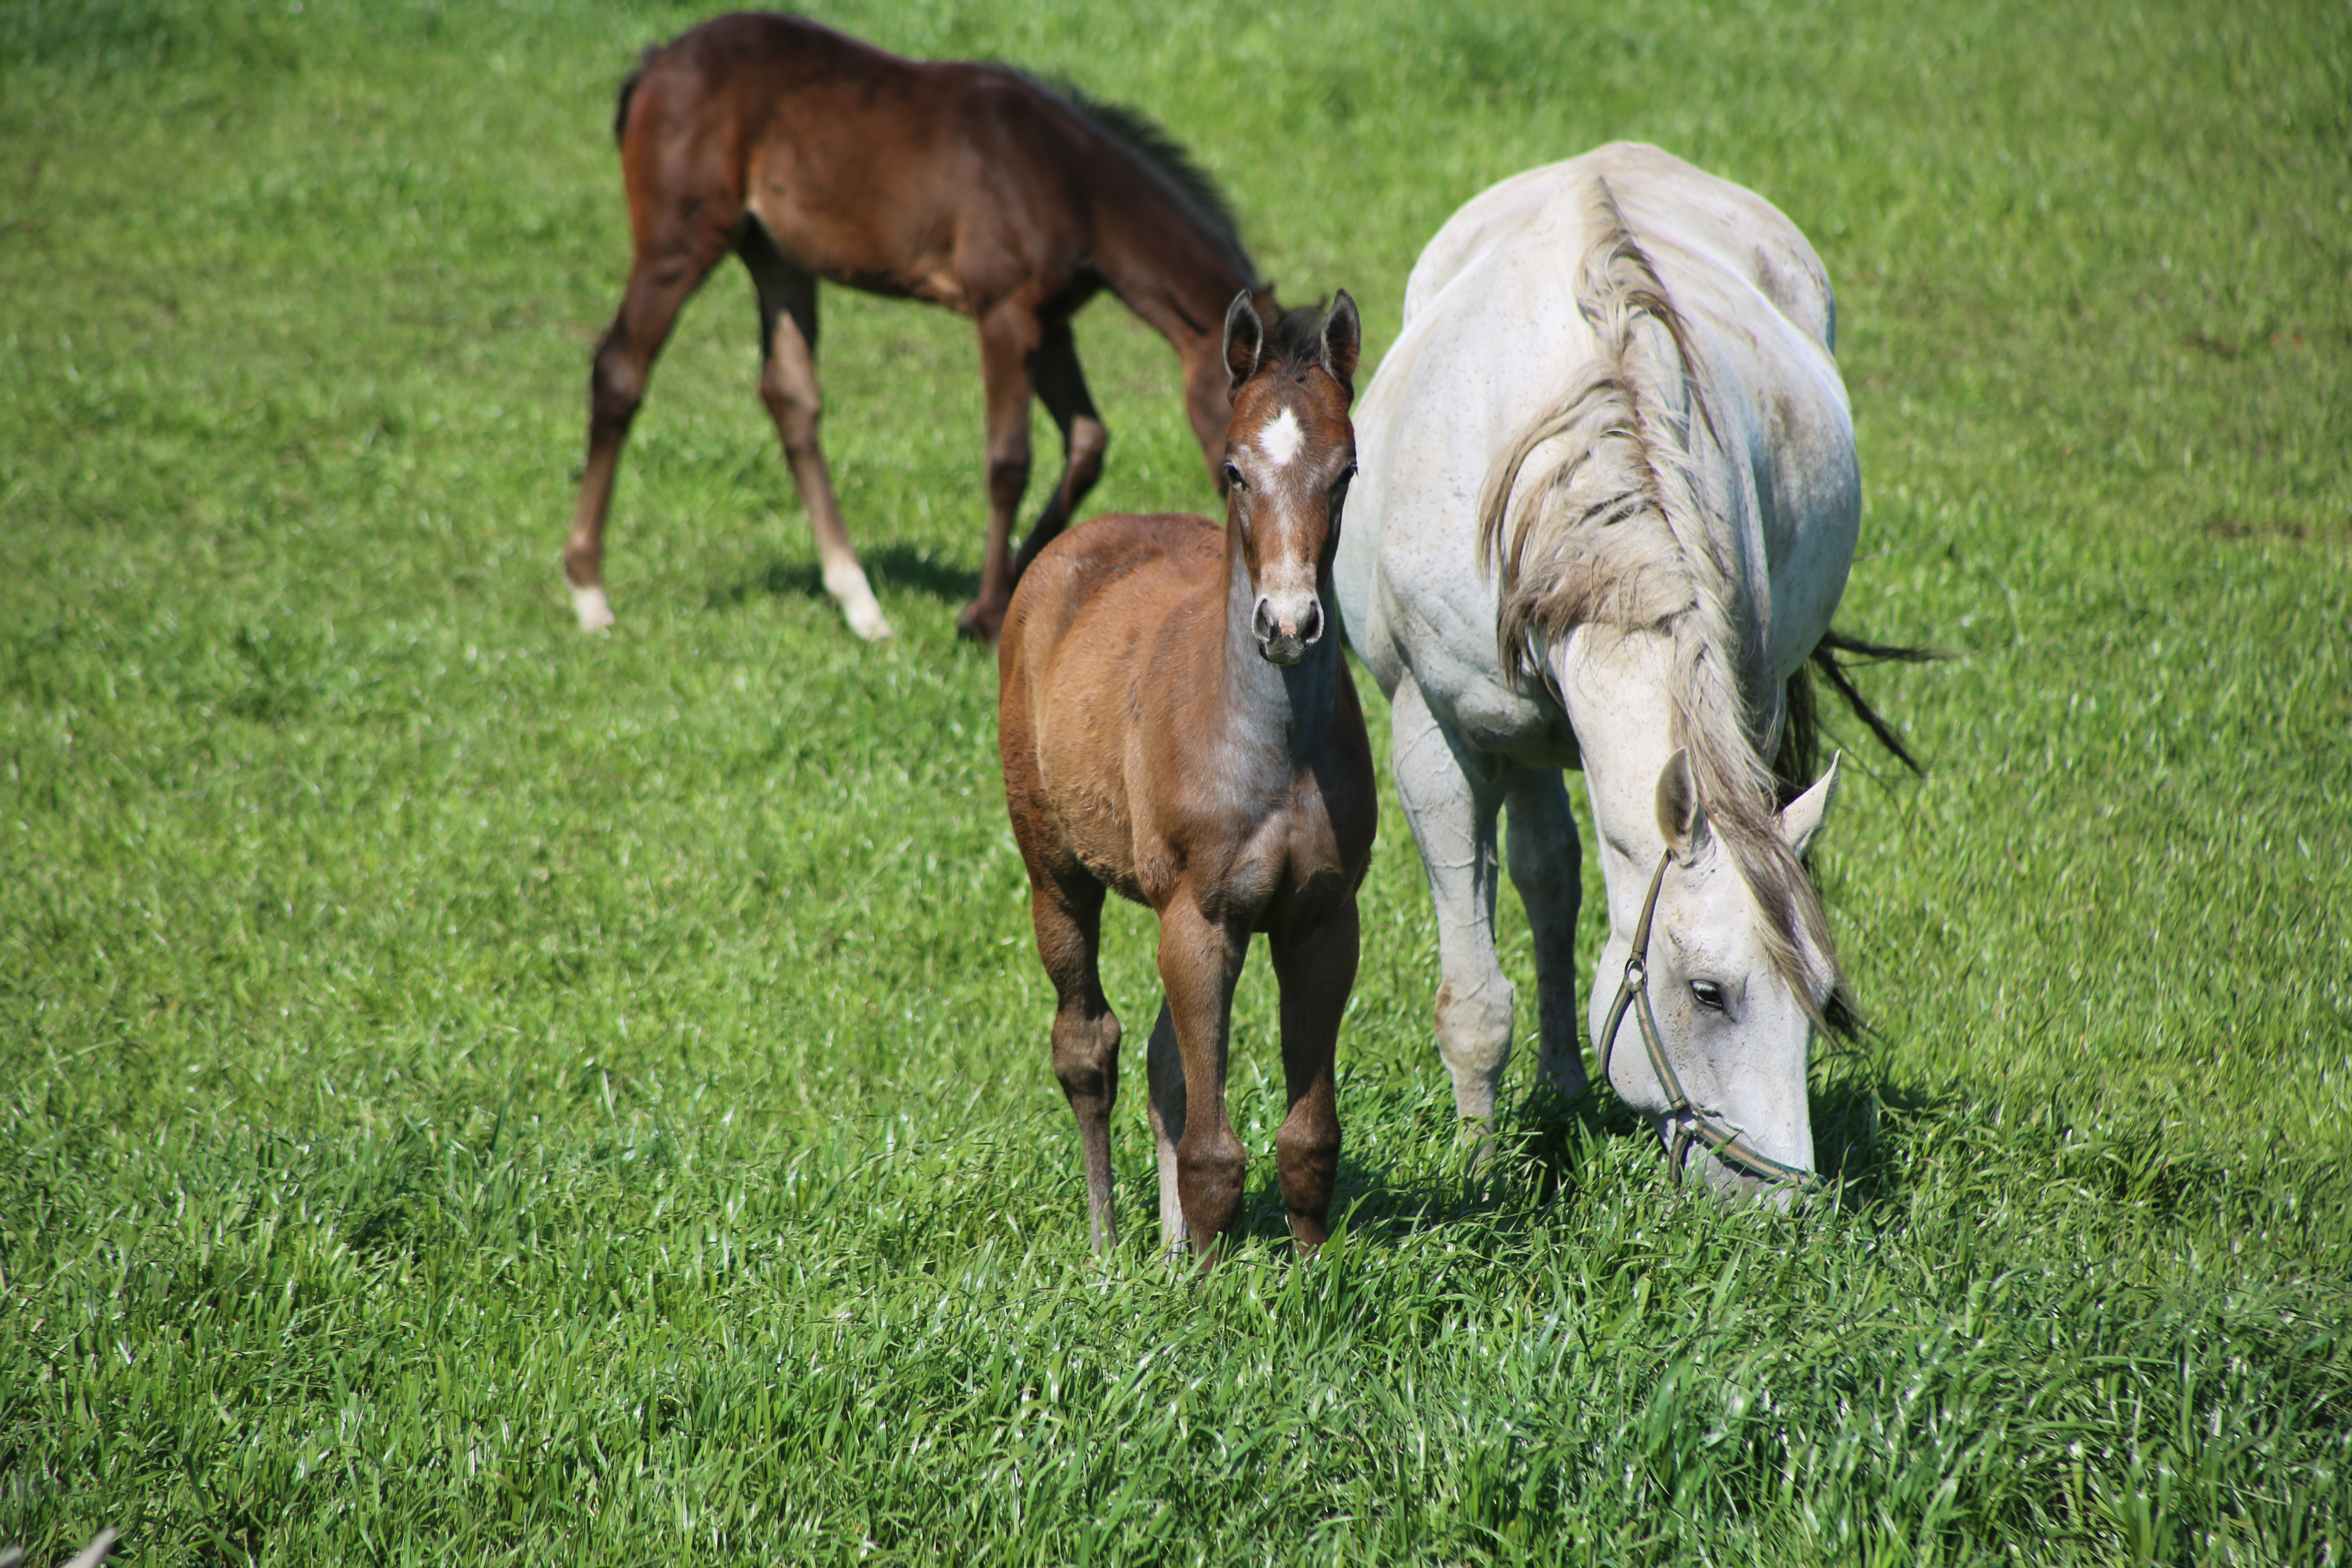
<point x="981" y="622"/>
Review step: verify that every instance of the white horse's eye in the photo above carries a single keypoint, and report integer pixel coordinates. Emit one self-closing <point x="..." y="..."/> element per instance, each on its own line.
<point x="1708" y="995"/>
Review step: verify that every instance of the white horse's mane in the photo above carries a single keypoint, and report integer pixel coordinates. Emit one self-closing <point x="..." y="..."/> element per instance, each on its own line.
<point x="1611" y="535"/>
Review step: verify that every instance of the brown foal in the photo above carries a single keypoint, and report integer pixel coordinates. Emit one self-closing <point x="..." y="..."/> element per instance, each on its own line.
<point x="1178" y="723"/>
<point x="810" y="154"/>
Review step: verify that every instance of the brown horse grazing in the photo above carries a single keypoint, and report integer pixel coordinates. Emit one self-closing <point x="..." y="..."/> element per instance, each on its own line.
<point x="1178" y="723"/>
<point x="811" y="155"/>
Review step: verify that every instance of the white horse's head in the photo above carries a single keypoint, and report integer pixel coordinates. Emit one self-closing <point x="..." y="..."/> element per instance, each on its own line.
<point x="1732" y="1021"/>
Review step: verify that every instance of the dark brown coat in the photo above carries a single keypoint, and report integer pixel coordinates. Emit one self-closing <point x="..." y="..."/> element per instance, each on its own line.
<point x="810" y="154"/>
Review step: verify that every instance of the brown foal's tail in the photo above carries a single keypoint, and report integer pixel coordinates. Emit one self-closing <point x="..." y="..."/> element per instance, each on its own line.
<point x="629" y="89"/>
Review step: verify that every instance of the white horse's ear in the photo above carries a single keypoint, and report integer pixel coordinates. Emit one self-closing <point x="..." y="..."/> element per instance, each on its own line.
<point x="1802" y="819"/>
<point x="1681" y="819"/>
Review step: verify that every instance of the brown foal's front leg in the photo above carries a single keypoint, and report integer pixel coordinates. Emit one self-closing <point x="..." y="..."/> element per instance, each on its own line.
<point x="1061" y="385"/>
<point x="1163" y="1076"/>
<point x="1317" y="969"/>
<point x="1067" y="913"/>
<point x="1008" y="335"/>
<point x="1199" y="959"/>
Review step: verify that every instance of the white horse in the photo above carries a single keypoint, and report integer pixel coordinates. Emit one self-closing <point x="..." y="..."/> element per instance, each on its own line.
<point x="1608" y="504"/>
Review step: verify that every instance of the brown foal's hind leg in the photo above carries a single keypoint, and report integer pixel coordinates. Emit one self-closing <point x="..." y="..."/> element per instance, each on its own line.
<point x="659" y="282"/>
<point x="1164" y="1078"/>
<point x="1199" y="961"/>
<point x="1067" y="914"/>
<point x="1008" y="336"/>
<point x="788" y="386"/>
<point x="1062" y="387"/>
<point x="1317" y="969"/>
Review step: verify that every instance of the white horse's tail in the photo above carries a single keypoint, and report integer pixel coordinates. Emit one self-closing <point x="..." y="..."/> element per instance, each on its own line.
<point x="1834" y="659"/>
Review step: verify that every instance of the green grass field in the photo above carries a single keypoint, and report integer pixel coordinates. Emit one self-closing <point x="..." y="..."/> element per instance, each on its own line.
<point x="473" y="1093"/>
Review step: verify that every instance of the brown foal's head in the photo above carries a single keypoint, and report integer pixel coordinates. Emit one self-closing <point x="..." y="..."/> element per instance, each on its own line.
<point x="1289" y="454"/>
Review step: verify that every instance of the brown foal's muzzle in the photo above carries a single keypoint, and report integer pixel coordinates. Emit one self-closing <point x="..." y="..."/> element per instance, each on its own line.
<point x="1285" y="634"/>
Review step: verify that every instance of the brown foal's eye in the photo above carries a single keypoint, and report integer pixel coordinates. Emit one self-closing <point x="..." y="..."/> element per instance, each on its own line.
<point x="1233" y="480"/>
<point x="1708" y="995"/>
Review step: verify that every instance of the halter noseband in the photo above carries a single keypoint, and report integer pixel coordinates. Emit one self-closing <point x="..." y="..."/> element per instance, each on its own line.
<point x="1633" y="991"/>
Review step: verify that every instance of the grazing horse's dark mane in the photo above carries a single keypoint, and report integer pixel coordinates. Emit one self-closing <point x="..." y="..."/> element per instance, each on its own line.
<point x="1146" y="141"/>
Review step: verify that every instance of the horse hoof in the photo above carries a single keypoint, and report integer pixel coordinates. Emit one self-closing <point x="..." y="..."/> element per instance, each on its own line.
<point x="980" y="623"/>
<point x="850" y="590"/>
<point x="589" y="605"/>
<point x="1562" y="1081"/>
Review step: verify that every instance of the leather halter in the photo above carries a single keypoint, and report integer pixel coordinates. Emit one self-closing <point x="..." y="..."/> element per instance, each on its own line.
<point x="1633" y="991"/>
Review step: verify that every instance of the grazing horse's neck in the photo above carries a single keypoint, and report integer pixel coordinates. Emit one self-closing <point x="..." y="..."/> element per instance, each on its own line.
<point x="1167" y="266"/>
<point x="1619" y="692"/>
<point x="1301" y="698"/>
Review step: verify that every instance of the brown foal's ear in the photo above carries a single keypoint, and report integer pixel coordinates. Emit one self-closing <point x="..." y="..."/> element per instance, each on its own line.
<point x="1343" y="336"/>
<point x="1245" y="337"/>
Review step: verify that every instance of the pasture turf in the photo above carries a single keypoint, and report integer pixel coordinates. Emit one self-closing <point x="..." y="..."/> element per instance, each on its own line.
<point x="474" y="1093"/>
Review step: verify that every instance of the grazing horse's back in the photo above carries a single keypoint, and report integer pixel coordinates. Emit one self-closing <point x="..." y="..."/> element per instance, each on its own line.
<point x="796" y="145"/>
<point x="1492" y="330"/>
<point x="1663" y="197"/>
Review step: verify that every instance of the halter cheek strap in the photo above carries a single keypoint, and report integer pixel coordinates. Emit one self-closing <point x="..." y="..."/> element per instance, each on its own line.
<point x="1633" y="992"/>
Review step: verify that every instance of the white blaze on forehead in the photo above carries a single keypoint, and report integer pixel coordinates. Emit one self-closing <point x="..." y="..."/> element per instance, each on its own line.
<point x="1279" y="442"/>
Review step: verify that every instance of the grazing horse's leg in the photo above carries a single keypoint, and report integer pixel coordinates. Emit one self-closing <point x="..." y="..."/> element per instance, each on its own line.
<point x="1199" y="959"/>
<point x="1062" y="387"/>
<point x="1067" y="913"/>
<point x="1164" y="1077"/>
<point x="1008" y="334"/>
<point x="788" y="386"/>
<point x="1317" y="970"/>
<point x="1450" y="793"/>
<point x="1546" y="867"/>
<point x="660" y="279"/>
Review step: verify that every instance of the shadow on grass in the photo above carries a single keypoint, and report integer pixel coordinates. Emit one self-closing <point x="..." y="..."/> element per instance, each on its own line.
<point x="1849" y="1113"/>
<point x="888" y="566"/>
<point x="1539" y="1147"/>
<point x="1547" y="1145"/>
